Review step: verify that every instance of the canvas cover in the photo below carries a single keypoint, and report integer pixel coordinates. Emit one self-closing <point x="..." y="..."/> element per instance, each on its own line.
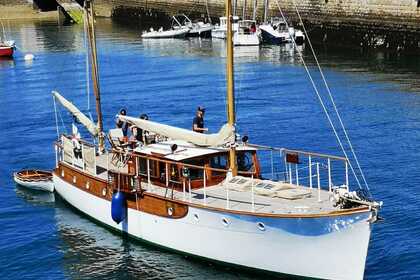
<point x="225" y="135"/>
<point x="89" y="159"/>
<point x="67" y="149"/>
<point x="82" y="118"/>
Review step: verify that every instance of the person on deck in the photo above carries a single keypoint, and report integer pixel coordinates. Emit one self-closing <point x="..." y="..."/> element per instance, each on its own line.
<point x="75" y="139"/>
<point x="253" y="28"/>
<point x="137" y="132"/>
<point x="198" y="122"/>
<point x="122" y="124"/>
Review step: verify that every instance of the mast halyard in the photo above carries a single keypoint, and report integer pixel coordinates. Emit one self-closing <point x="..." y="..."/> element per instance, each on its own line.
<point x="230" y="84"/>
<point x="95" y="77"/>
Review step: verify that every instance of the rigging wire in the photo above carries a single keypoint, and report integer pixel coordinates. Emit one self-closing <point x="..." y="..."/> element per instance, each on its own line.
<point x="331" y="98"/>
<point x="321" y="101"/>
<point x="62" y="121"/>
<point x="56" y="118"/>
<point x="87" y="62"/>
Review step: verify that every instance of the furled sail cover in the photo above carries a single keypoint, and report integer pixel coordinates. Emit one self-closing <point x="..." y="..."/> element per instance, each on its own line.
<point x="225" y="135"/>
<point x="82" y="118"/>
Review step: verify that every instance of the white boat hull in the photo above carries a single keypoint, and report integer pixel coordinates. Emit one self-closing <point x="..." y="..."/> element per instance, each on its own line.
<point x="178" y="33"/>
<point x="246" y="39"/>
<point x="36" y="185"/>
<point x="326" y="248"/>
<point x="218" y="33"/>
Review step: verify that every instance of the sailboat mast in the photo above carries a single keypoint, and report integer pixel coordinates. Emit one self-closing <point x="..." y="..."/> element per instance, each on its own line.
<point x="230" y="83"/>
<point x="95" y="77"/>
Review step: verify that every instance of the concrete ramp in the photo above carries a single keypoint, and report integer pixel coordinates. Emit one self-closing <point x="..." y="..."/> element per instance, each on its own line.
<point x="71" y="10"/>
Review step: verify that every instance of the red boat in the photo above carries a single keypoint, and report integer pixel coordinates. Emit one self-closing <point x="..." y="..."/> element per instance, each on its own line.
<point x="5" y="50"/>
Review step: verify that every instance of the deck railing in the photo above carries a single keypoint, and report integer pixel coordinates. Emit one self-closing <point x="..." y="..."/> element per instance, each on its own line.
<point x="306" y="168"/>
<point x="83" y="158"/>
<point x="300" y="168"/>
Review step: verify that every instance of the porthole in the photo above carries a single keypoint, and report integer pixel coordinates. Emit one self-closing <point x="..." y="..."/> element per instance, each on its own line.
<point x="104" y="191"/>
<point x="87" y="185"/>
<point x="225" y="222"/>
<point x="196" y="217"/>
<point x="62" y="173"/>
<point x="261" y="226"/>
<point x="74" y="179"/>
<point x="170" y="211"/>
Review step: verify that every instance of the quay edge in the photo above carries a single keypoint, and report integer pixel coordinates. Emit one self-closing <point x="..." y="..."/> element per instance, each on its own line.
<point x="372" y="24"/>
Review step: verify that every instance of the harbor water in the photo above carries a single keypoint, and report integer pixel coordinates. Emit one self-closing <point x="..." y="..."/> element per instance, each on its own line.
<point x="377" y="94"/>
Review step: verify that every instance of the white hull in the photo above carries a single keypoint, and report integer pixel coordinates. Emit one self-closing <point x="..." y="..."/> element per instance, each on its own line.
<point x="178" y="33"/>
<point x="246" y="40"/>
<point x="328" y="248"/>
<point x="218" y="33"/>
<point x="36" y="185"/>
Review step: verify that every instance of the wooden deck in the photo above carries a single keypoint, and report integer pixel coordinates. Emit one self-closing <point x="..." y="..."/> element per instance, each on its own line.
<point x="216" y="196"/>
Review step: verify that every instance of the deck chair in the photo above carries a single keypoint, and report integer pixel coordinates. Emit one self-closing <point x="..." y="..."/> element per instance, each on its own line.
<point x="115" y="138"/>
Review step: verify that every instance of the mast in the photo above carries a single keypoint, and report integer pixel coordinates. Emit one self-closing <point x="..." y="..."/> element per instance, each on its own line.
<point x="244" y="10"/>
<point x="254" y="12"/>
<point x="95" y="77"/>
<point x="230" y="84"/>
<point x="266" y="7"/>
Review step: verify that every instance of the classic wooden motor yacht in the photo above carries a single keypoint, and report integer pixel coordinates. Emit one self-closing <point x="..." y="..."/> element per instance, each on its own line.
<point x="177" y="188"/>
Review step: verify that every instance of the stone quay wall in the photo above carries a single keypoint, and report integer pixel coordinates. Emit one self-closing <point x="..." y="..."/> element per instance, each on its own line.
<point x="393" y="24"/>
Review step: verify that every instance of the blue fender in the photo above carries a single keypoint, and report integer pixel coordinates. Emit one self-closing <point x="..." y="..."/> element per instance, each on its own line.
<point x="118" y="207"/>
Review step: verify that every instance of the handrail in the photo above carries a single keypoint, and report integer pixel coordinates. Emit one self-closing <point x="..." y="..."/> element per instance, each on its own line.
<point x="263" y="147"/>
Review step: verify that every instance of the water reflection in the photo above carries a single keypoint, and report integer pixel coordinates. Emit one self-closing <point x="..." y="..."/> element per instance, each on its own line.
<point x="6" y="62"/>
<point x="286" y="53"/>
<point x="34" y="197"/>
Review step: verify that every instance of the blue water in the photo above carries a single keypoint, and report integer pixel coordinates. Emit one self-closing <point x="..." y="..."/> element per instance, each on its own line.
<point x="42" y="238"/>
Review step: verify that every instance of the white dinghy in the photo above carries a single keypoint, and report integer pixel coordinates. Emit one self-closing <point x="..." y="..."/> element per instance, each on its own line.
<point x="35" y="179"/>
<point x="177" y="31"/>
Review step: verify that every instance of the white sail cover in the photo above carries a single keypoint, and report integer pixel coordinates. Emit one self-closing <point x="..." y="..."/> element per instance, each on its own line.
<point x="82" y="118"/>
<point x="225" y="135"/>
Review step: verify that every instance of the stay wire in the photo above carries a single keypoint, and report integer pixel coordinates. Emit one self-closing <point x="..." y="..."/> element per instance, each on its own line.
<point x="321" y="100"/>
<point x="332" y="98"/>
<point x="87" y="62"/>
<point x="56" y="118"/>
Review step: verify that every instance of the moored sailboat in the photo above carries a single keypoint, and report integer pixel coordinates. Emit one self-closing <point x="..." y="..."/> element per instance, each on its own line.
<point x="180" y="187"/>
<point x="7" y="47"/>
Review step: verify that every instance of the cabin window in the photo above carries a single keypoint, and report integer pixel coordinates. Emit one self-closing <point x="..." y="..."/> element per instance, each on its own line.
<point x="143" y="167"/>
<point x="196" y="173"/>
<point x="220" y="162"/>
<point x="245" y="162"/>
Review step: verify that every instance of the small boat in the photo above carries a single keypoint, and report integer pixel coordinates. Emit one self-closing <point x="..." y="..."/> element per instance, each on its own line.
<point x="247" y="34"/>
<point x="177" y="31"/>
<point x="35" y="179"/>
<point x="275" y="32"/>
<point x="220" y="30"/>
<point x="6" y="51"/>
<point x="7" y="47"/>
<point x="198" y="28"/>
<point x="297" y="35"/>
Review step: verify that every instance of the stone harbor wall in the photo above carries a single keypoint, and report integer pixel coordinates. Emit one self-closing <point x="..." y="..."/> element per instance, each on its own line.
<point x="391" y="24"/>
<point x="14" y="2"/>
